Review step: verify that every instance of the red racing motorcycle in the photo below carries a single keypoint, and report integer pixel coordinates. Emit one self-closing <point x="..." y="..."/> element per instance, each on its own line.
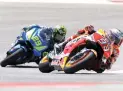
<point x="83" y="52"/>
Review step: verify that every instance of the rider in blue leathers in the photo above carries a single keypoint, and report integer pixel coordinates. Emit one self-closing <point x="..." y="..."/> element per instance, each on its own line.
<point x="53" y="35"/>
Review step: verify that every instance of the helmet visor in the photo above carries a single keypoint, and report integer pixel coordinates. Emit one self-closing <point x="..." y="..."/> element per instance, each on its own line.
<point x="59" y="37"/>
<point x="110" y="37"/>
<point x="118" y="41"/>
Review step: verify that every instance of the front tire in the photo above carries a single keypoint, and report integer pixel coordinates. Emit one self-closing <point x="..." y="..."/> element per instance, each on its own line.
<point x="11" y="59"/>
<point x="80" y="64"/>
<point x="45" y="67"/>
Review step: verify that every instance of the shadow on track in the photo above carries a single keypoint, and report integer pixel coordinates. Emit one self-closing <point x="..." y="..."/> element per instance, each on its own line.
<point x="94" y="73"/>
<point x="20" y="66"/>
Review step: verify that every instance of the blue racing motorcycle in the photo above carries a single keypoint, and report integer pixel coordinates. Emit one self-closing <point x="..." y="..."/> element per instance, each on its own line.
<point x="29" y="47"/>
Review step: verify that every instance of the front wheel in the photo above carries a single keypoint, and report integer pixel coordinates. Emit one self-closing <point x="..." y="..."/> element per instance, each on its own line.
<point x="11" y="59"/>
<point x="45" y="65"/>
<point x="78" y="62"/>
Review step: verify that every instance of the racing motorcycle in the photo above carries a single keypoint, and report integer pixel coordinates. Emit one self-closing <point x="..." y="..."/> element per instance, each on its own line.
<point x="83" y="52"/>
<point x="27" y="48"/>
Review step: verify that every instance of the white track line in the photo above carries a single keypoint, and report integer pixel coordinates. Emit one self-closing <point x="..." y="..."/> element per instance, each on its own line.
<point x="106" y="71"/>
<point x="116" y="1"/>
<point x="118" y="71"/>
<point x="62" y="1"/>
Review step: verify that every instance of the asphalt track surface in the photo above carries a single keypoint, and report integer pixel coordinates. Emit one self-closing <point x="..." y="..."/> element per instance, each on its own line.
<point x="14" y="16"/>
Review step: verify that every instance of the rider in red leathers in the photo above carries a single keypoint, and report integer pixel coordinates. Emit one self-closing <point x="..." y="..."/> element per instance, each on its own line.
<point x="88" y="30"/>
<point x="118" y="41"/>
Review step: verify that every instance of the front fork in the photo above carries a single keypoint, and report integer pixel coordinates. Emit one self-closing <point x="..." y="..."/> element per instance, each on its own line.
<point x="15" y="48"/>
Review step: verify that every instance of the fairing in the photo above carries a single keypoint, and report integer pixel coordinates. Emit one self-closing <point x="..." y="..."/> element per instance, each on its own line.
<point x="38" y="43"/>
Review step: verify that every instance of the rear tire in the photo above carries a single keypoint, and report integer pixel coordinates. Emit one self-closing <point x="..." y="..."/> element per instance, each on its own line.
<point x="11" y="59"/>
<point x="45" y="67"/>
<point x="81" y="64"/>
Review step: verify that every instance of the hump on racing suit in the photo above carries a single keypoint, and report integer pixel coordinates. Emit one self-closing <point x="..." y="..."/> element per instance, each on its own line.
<point x="44" y="32"/>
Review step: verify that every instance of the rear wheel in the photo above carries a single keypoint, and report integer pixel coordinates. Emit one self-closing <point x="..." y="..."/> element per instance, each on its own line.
<point x="100" y="70"/>
<point x="37" y="62"/>
<point x="79" y="62"/>
<point x="11" y="59"/>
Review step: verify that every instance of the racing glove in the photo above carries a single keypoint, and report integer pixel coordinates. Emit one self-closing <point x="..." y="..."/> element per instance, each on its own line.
<point x="87" y="30"/>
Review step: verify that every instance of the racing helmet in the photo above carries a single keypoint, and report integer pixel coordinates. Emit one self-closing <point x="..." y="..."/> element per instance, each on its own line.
<point x="116" y="35"/>
<point x="59" y="33"/>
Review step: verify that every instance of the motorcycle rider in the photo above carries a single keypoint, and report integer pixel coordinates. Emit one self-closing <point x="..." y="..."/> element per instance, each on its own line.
<point x="118" y="39"/>
<point x="53" y="34"/>
<point x="115" y="33"/>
